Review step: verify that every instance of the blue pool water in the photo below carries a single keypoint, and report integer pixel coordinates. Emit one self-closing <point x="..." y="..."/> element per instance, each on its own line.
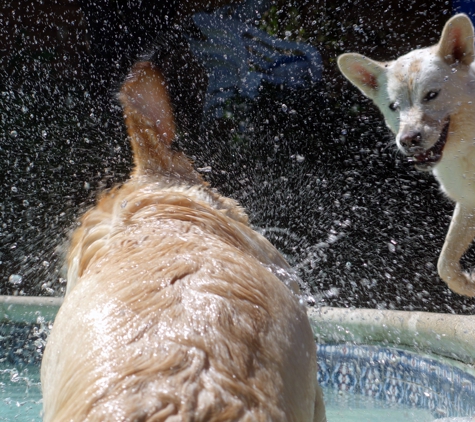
<point x="360" y="383"/>
<point x="20" y="394"/>
<point x="348" y="407"/>
<point x="20" y="400"/>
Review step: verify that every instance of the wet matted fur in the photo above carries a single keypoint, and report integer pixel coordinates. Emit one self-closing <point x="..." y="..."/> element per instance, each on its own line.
<point x="176" y="310"/>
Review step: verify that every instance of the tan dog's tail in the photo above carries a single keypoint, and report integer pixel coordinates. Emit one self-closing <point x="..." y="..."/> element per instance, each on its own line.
<point x="151" y="125"/>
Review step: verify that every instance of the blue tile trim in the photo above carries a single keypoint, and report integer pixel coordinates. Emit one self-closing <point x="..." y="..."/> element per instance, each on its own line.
<point x="395" y="375"/>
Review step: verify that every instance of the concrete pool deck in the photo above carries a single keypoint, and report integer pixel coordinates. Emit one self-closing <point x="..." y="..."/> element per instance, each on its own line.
<point x="447" y="335"/>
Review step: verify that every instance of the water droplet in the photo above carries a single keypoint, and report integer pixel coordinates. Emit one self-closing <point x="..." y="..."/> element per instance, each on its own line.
<point x="15" y="279"/>
<point x="14" y="134"/>
<point x="123" y="204"/>
<point x="69" y="101"/>
<point x="26" y="202"/>
<point x="284" y="108"/>
<point x="47" y="288"/>
<point x="14" y="189"/>
<point x="14" y="376"/>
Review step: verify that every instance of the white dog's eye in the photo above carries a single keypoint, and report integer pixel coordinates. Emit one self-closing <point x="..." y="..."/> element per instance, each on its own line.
<point x="394" y="106"/>
<point x="431" y="95"/>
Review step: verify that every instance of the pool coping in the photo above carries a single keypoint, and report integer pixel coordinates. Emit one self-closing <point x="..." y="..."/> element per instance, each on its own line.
<point x="447" y="335"/>
<point x="27" y="309"/>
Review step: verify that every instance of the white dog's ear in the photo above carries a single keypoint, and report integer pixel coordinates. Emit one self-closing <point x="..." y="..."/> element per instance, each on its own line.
<point x="362" y="72"/>
<point x="456" y="41"/>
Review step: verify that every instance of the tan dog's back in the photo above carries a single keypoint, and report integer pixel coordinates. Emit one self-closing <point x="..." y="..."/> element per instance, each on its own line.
<point x="173" y="311"/>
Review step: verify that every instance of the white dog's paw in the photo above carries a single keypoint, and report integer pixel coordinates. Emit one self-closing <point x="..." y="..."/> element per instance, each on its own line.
<point x="462" y="283"/>
<point x="458" y="281"/>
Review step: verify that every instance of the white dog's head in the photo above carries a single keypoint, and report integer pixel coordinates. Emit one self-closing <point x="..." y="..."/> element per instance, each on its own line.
<point x="422" y="93"/>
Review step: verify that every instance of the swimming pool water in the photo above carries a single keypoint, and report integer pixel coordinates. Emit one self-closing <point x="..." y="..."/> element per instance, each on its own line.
<point x="360" y="384"/>
<point x="20" y="400"/>
<point x="20" y="394"/>
<point x="348" y="407"/>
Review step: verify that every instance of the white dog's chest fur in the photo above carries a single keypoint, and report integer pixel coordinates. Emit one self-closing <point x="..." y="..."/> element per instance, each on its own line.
<point x="456" y="176"/>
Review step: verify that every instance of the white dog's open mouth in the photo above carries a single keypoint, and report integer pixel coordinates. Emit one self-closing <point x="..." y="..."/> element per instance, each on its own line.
<point x="433" y="155"/>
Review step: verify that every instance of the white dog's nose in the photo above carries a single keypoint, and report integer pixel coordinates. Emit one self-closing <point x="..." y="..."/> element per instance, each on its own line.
<point x="410" y="139"/>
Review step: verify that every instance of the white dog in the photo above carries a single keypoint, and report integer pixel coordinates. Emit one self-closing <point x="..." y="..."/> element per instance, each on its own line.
<point x="176" y="310"/>
<point x="427" y="98"/>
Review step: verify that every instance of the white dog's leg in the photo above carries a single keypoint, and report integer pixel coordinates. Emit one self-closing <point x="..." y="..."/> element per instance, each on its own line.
<point x="460" y="236"/>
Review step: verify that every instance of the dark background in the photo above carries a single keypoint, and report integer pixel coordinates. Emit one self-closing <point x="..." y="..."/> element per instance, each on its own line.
<point x="359" y="224"/>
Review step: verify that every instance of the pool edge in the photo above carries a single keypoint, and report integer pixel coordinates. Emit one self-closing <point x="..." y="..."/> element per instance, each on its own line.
<point x="27" y="309"/>
<point x="447" y="335"/>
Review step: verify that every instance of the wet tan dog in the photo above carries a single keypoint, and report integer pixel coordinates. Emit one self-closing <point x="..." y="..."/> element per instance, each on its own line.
<point x="175" y="309"/>
<point x="427" y="98"/>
